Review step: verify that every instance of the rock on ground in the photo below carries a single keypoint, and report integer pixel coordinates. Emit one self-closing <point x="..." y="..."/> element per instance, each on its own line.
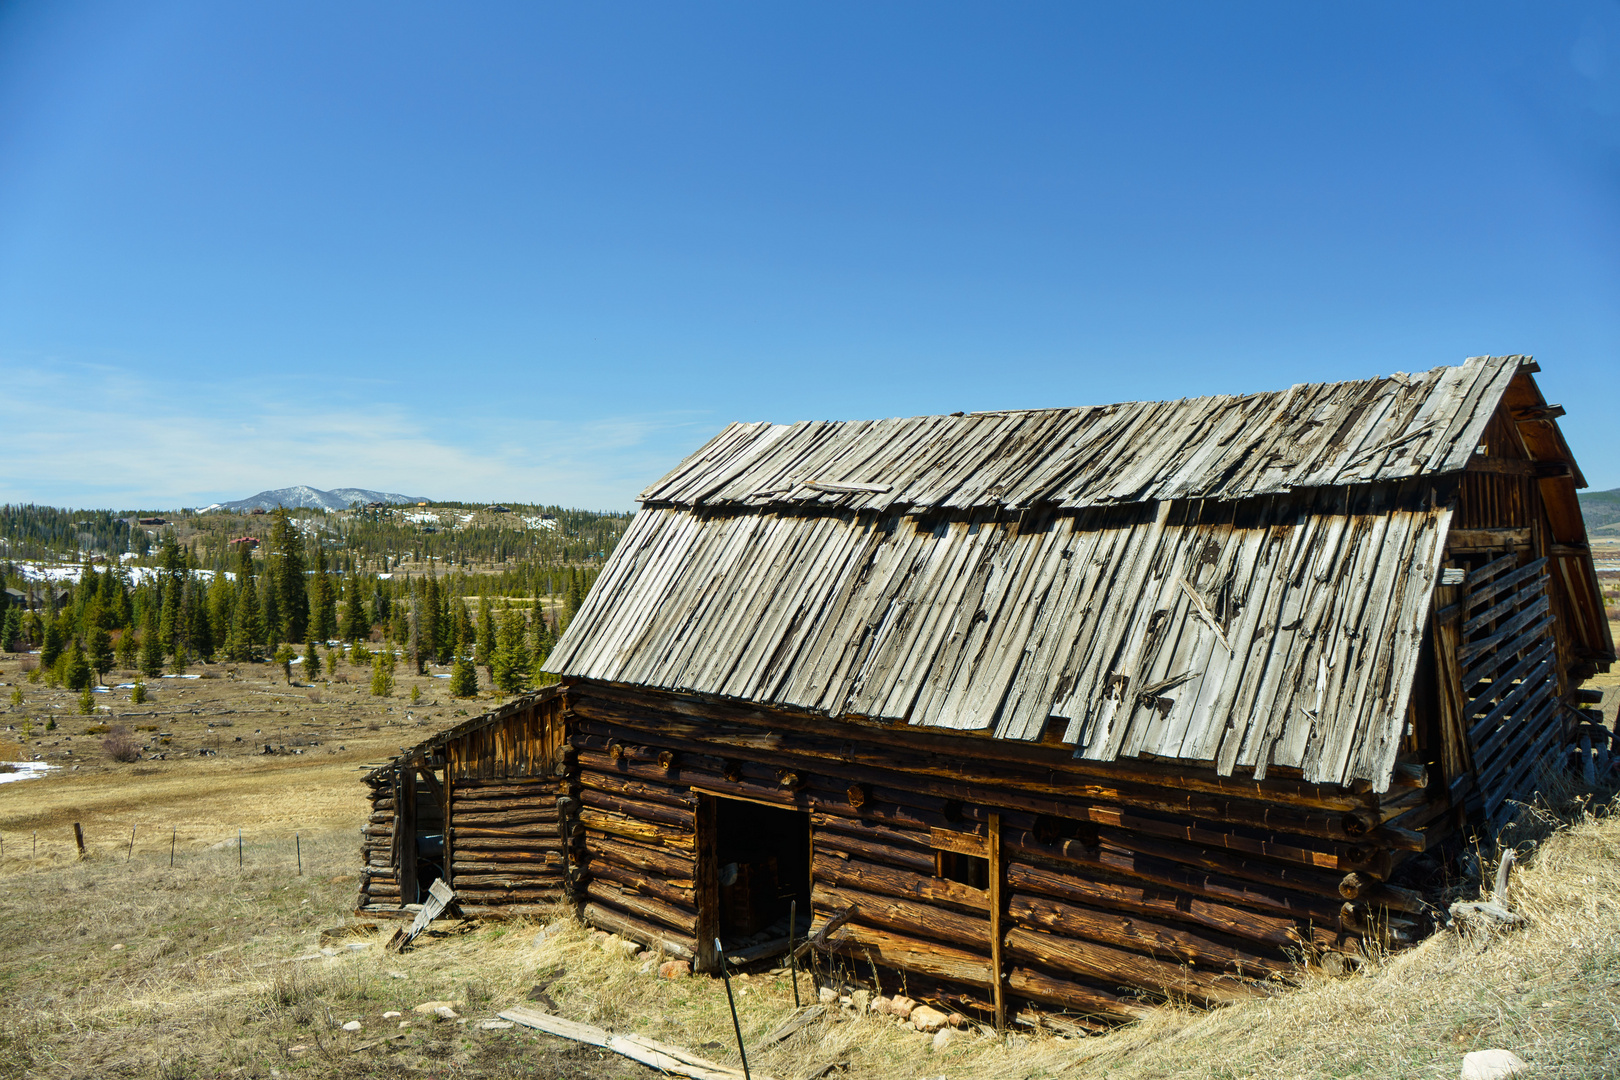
<point x="352" y="1025"/>
<point x="901" y="1007"/>
<point x="1492" y="1065"/>
<point x="674" y="969"/>
<point x="433" y="1006"/>
<point x="927" y="1019"/>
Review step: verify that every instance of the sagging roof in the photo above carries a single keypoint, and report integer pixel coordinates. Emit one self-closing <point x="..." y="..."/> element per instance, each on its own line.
<point x="430" y="747"/>
<point x="1237" y="581"/>
<point x="1223" y="447"/>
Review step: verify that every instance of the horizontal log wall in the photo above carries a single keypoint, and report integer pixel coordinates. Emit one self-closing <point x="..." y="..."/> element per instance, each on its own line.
<point x="379" y="876"/>
<point x="1172" y="881"/>
<point x="511" y="813"/>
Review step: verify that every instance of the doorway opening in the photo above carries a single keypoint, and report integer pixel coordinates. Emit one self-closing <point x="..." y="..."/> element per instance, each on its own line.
<point x="762" y="859"/>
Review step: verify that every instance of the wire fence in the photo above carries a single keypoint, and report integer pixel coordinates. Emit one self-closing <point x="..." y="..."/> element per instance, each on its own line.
<point x="298" y="853"/>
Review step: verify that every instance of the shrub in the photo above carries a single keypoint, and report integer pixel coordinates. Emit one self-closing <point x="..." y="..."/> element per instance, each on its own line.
<point x="120" y="745"/>
<point x="382" y="674"/>
<point x="416" y="694"/>
<point x="87" y="703"/>
<point x="137" y="695"/>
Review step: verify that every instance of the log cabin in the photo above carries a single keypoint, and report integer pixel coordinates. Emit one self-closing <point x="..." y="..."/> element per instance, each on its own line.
<point x="1057" y="710"/>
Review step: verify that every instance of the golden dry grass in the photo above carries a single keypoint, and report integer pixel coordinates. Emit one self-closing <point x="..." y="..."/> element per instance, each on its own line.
<point x="203" y="988"/>
<point x="206" y="984"/>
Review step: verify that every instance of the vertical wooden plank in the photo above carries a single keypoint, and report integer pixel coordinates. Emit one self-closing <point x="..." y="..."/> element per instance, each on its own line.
<point x="707" y="880"/>
<point x="405" y="830"/>
<point x="449" y="804"/>
<point x="998" y="877"/>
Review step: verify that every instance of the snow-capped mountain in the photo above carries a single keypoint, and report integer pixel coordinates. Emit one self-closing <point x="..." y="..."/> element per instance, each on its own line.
<point x="312" y="498"/>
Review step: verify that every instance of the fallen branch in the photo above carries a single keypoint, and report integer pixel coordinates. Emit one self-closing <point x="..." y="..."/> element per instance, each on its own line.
<point x="819" y="938"/>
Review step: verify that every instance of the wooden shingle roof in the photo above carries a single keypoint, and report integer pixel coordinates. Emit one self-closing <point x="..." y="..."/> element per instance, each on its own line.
<point x="1242" y="582"/>
<point x="1223" y="447"/>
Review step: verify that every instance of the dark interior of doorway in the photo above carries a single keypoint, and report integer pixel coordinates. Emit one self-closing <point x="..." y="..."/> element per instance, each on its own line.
<point x="763" y="854"/>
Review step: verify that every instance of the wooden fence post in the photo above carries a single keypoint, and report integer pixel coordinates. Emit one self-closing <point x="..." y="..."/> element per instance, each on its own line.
<point x="78" y="837"/>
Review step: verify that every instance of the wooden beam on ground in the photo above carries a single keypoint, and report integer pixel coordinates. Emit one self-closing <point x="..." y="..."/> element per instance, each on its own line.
<point x="662" y="1056"/>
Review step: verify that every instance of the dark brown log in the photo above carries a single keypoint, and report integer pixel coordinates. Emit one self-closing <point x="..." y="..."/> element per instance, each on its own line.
<point x="993" y="762"/>
<point x="496" y="911"/>
<point x="1278" y="897"/>
<point x="465" y="883"/>
<point x="469" y="844"/>
<point x="638" y="856"/>
<point x="539" y="803"/>
<point x="681" y="920"/>
<point x="549" y="859"/>
<point x="510" y="817"/>
<point x="911" y="954"/>
<point x="1038" y="986"/>
<point x="670" y="891"/>
<point x="1251" y="925"/>
<point x="905" y="884"/>
<point x="872" y="833"/>
<point x="544" y="831"/>
<point x="629" y="789"/>
<point x="644" y="832"/>
<point x="478" y="789"/>
<point x="680" y="817"/>
<point x="905" y="916"/>
<point x="876" y="852"/>
<point x="482" y="895"/>
<point x="666" y="760"/>
<point x="1141" y="935"/>
<point x="624" y="925"/>
<point x="858" y="795"/>
<point x="377" y="889"/>
<point x="1096" y="961"/>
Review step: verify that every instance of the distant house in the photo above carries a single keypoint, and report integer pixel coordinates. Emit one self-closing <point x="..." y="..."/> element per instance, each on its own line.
<point x="33" y="599"/>
<point x="421" y="504"/>
<point x="158" y="521"/>
<point x="497" y="509"/>
<point x="376" y="506"/>
<point x="257" y="510"/>
<point x="249" y="542"/>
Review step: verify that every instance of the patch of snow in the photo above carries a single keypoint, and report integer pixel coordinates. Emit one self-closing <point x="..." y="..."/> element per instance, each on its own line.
<point x="179" y="676"/>
<point x="26" y="770"/>
<point x="541" y="523"/>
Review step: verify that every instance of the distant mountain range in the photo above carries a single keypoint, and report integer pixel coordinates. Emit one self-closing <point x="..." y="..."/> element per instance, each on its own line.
<point x="1601" y="509"/>
<point x="306" y="497"/>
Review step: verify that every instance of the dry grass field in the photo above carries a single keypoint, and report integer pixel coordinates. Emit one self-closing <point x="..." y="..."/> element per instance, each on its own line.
<point x="123" y="966"/>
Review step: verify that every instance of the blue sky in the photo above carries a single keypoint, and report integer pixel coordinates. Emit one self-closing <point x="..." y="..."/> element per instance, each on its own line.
<point x="540" y="252"/>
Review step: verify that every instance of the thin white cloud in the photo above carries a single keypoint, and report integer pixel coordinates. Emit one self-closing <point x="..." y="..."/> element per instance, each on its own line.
<point x="80" y="435"/>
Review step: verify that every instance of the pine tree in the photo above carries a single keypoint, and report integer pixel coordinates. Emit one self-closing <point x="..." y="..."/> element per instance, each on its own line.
<point x="510" y="669"/>
<point x="151" y="648"/>
<point x="169" y="621"/>
<point x="382" y="673"/>
<point x="284" y="658"/>
<point x="463" y="678"/>
<point x="484" y="646"/>
<point x="576" y="593"/>
<point x="355" y="624"/>
<point x="287" y="576"/>
<point x="76" y="671"/>
<point x="10" y="630"/>
<point x="52" y="647"/>
<point x="269" y="628"/>
<point x="101" y="652"/>
<point x="128" y="649"/>
<point x="312" y="661"/>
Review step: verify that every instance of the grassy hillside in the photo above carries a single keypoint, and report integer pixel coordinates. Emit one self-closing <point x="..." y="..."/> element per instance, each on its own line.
<point x="1601" y="509"/>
